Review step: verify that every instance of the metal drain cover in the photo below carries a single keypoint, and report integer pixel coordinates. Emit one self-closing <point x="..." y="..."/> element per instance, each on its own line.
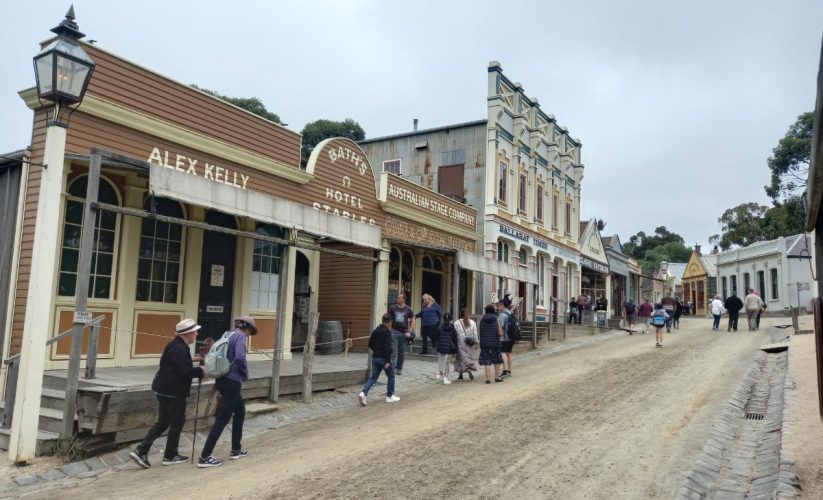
<point x="754" y="416"/>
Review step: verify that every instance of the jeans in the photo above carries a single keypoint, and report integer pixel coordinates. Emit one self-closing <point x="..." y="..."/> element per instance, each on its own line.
<point x="573" y="317"/>
<point x="230" y="406"/>
<point x="429" y="332"/>
<point x="378" y="365"/>
<point x="676" y="322"/>
<point x="171" y="415"/>
<point x="751" y="318"/>
<point x="716" y="323"/>
<point x="398" y="355"/>
<point x="733" y="320"/>
<point x="670" y="320"/>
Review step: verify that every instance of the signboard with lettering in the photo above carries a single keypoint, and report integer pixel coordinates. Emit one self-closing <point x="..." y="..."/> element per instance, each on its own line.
<point x="539" y="242"/>
<point x="343" y="183"/>
<point x="409" y="195"/>
<point x="405" y="230"/>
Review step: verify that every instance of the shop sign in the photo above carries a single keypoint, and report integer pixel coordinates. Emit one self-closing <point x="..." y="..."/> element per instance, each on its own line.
<point x="192" y="166"/>
<point x="539" y="243"/>
<point x="401" y="229"/>
<point x="427" y="203"/>
<point x="351" y="172"/>
<point x="597" y="266"/>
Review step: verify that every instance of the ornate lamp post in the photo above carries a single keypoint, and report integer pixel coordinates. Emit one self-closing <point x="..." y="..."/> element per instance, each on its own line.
<point x="63" y="70"/>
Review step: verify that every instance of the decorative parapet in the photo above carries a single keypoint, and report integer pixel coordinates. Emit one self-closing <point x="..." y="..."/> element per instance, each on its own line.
<point x="752" y="251"/>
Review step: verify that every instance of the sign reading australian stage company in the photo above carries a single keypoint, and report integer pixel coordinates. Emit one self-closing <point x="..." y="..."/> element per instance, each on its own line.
<point x="428" y="203"/>
<point x="193" y="166"/>
<point x="539" y="243"/>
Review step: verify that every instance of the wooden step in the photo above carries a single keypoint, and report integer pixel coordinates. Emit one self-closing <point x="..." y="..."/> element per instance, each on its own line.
<point x="46" y="441"/>
<point x="51" y="419"/>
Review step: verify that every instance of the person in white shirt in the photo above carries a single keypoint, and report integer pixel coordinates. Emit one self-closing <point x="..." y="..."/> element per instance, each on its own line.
<point x="717" y="311"/>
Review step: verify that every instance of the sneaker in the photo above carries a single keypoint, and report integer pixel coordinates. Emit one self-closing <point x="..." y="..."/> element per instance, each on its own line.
<point x="235" y="454"/>
<point x="361" y="398"/>
<point x="668" y="330"/>
<point x="140" y="459"/>
<point x="659" y="345"/>
<point x="399" y="371"/>
<point x="392" y="399"/>
<point x="210" y="461"/>
<point x="446" y="381"/>
<point x="177" y="459"/>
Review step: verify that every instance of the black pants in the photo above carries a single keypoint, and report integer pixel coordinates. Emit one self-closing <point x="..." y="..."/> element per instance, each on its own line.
<point x="429" y="332"/>
<point x="573" y="317"/>
<point x="171" y="415"/>
<point x="231" y="406"/>
<point x="732" y="321"/>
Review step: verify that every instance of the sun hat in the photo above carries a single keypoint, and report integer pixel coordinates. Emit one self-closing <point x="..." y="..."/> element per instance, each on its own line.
<point x="187" y="326"/>
<point x="248" y="320"/>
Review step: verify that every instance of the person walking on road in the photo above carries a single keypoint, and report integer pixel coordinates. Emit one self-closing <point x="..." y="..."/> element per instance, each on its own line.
<point x="230" y="405"/>
<point x="659" y="319"/>
<point x="717" y="311"/>
<point x="573" y="312"/>
<point x="466" y="344"/>
<point x="446" y="346"/>
<point x="753" y="303"/>
<point x="733" y="305"/>
<point x="631" y="315"/>
<point x="678" y="311"/>
<point x="669" y="305"/>
<point x="402" y="329"/>
<point x="171" y="386"/>
<point x="506" y="344"/>
<point x="490" y="334"/>
<point x="429" y="320"/>
<point x="645" y="312"/>
<point x="381" y="345"/>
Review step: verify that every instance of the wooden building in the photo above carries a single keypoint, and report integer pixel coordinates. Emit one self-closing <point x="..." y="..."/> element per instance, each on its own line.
<point x="700" y="280"/>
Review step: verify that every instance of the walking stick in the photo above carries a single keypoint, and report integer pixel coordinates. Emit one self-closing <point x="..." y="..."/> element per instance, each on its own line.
<point x="196" y="412"/>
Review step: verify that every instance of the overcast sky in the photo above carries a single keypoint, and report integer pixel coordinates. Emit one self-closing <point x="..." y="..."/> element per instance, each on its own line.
<point x="678" y="104"/>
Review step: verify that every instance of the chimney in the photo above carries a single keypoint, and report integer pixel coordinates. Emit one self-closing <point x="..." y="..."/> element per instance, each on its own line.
<point x="415" y="124"/>
<point x="697" y="250"/>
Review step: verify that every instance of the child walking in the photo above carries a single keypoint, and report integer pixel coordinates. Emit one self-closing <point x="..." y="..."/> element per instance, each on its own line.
<point x="658" y="320"/>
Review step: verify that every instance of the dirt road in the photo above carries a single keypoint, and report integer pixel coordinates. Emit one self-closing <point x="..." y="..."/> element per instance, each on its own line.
<point x="614" y="419"/>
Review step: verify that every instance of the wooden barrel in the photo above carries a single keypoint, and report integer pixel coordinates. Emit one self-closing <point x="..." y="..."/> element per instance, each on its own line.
<point x="329" y="331"/>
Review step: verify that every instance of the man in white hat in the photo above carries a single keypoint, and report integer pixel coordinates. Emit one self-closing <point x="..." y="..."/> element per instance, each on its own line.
<point x="230" y="405"/>
<point x="171" y="385"/>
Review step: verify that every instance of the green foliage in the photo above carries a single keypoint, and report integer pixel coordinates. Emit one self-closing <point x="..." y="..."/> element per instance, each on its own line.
<point x="318" y="131"/>
<point x="650" y="250"/>
<point x="789" y="163"/>
<point x="250" y="104"/>
<point x="750" y="222"/>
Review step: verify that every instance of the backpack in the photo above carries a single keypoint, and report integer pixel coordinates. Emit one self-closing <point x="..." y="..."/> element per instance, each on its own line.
<point x="513" y="328"/>
<point x="629" y="308"/>
<point x="217" y="363"/>
<point x="658" y="318"/>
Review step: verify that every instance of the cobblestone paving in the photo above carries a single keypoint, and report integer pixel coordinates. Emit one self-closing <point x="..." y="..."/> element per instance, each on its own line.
<point x="417" y="375"/>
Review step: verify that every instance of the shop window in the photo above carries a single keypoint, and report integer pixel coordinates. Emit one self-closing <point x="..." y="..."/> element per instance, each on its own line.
<point x="775" y="284"/>
<point x="394" y="275"/>
<point x="407" y="273"/>
<point x="265" y="268"/>
<point x="523" y="257"/>
<point x="427" y="262"/>
<point x="761" y="284"/>
<point x="392" y="166"/>
<point x="723" y="287"/>
<point x="568" y="219"/>
<point x="502" y="183"/>
<point x="103" y="246"/>
<point x="734" y="283"/>
<point x="747" y="282"/>
<point x="521" y="207"/>
<point x="438" y="265"/>
<point x="158" y="268"/>
<point x="539" y="204"/>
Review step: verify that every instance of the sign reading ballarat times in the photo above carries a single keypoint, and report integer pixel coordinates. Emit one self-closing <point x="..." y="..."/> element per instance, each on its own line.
<point x="343" y="183"/>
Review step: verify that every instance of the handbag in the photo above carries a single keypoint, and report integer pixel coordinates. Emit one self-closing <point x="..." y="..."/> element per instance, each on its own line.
<point x="470" y="341"/>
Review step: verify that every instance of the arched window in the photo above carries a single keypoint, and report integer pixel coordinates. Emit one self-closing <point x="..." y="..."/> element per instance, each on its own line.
<point x="427" y="262"/>
<point x="158" y="268"/>
<point x="394" y="275"/>
<point x="103" y="248"/>
<point x="407" y="272"/>
<point x="438" y="264"/>
<point x="265" y="268"/>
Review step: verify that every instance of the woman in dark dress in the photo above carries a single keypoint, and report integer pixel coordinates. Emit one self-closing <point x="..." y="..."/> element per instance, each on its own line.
<point x="490" y="334"/>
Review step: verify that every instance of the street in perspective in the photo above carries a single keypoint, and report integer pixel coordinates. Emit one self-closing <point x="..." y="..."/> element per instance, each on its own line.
<point x="359" y="250"/>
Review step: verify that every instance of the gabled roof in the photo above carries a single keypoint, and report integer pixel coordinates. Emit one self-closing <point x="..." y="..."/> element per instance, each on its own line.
<point x="677" y="269"/>
<point x="701" y="265"/>
<point x="583" y="225"/>
<point x="709" y="264"/>
<point x="614" y="242"/>
<point x="798" y="246"/>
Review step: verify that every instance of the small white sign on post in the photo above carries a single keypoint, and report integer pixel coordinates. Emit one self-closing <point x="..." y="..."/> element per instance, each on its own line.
<point x="83" y="317"/>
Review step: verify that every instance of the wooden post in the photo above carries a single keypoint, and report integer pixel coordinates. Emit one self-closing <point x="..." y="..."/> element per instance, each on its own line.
<point x="81" y="292"/>
<point x="308" y="357"/>
<point x="11" y="389"/>
<point x="274" y="386"/>
<point x="91" y="355"/>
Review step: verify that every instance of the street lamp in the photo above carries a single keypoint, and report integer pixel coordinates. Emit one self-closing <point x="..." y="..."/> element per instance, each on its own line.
<point x="63" y="69"/>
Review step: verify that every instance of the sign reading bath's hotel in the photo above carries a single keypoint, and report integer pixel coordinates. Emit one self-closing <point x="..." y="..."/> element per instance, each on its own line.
<point x="430" y="204"/>
<point x="191" y="166"/>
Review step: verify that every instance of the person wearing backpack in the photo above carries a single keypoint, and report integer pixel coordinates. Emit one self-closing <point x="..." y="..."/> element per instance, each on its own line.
<point x="631" y="315"/>
<point x="230" y="405"/>
<point x="659" y="320"/>
<point x="171" y="385"/>
<point x="507" y="323"/>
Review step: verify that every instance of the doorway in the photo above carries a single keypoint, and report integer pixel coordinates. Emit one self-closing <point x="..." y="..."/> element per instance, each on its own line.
<point x="216" y="277"/>
<point x="433" y="285"/>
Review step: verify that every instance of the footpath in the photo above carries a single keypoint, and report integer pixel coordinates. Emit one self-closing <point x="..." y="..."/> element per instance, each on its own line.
<point x="47" y="473"/>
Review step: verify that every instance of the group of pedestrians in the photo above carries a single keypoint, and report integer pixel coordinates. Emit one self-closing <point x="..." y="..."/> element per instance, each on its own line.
<point x="457" y="343"/>
<point x="583" y="302"/>
<point x="172" y="386"/>
<point x="752" y="303"/>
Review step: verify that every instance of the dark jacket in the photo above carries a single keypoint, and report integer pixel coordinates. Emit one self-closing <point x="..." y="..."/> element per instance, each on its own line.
<point x="733" y="304"/>
<point x="176" y="370"/>
<point x="430" y="315"/>
<point x="447" y="340"/>
<point x="487" y="331"/>
<point x="380" y="343"/>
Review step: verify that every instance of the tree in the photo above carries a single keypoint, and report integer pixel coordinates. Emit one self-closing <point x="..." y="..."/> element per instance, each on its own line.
<point x="250" y="104"/>
<point x="751" y="222"/>
<point x="789" y="163"/>
<point x="317" y="131"/>
<point x="650" y="250"/>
